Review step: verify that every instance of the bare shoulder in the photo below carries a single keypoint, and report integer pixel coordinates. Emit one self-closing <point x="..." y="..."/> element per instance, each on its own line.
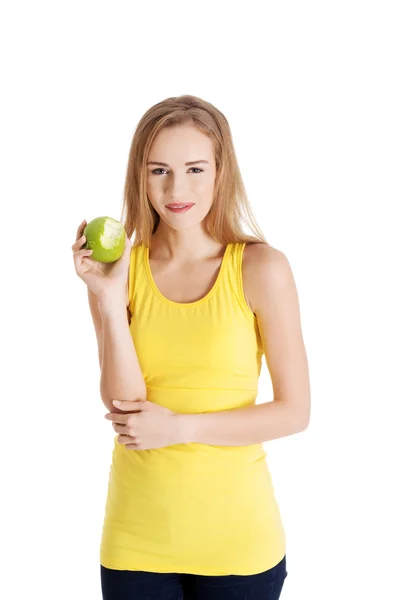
<point x="266" y="269"/>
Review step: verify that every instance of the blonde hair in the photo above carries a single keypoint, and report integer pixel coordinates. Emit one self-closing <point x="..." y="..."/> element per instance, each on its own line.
<point x="230" y="207"/>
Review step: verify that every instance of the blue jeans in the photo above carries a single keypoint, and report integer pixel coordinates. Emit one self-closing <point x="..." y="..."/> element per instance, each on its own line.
<point x="145" y="585"/>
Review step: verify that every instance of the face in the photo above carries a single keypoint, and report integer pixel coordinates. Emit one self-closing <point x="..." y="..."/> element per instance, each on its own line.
<point x="177" y="182"/>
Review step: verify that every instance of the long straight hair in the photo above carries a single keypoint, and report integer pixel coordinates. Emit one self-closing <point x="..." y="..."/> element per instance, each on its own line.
<point x="230" y="209"/>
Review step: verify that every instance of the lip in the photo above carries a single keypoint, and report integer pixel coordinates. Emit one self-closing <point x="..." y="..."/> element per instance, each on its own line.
<point x="179" y="210"/>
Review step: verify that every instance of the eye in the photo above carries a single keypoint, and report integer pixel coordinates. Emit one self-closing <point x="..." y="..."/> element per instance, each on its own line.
<point x="154" y="171"/>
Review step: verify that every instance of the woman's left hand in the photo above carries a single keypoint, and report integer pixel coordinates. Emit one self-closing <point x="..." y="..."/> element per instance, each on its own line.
<point x="153" y="427"/>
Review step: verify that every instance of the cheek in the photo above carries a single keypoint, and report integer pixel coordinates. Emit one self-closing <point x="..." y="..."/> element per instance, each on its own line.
<point x="154" y="192"/>
<point x="204" y="184"/>
<point x="207" y="191"/>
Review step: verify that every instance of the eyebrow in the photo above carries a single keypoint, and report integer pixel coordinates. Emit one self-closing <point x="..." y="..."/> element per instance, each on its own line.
<point x="193" y="162"/>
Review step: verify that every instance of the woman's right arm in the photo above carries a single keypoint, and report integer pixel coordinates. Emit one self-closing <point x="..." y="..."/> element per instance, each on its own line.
<point x="96" y="317"/>
<point x="121" y="376"/>
<point x="108" y="284"/>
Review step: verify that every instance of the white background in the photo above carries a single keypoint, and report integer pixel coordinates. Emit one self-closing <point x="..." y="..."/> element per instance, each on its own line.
<point x="311" y="92"/>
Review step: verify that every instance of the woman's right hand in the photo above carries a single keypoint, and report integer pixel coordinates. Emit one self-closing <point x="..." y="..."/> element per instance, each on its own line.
<point x="102" y="278"/>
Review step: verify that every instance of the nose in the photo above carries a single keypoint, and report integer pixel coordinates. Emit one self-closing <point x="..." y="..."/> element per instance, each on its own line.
<point x="178" y="187"/>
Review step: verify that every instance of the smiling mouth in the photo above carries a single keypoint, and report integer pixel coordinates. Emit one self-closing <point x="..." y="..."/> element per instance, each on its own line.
<point x="179" y="207"/>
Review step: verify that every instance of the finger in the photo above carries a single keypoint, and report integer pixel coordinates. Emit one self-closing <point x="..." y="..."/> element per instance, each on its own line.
<point x="79" y="243"/>
<point x="80" y="229"/>
<point x="119" y="428"/>
<point x="121" y="419"/>
<point x="129" y="404"/>
<point x="79" y="235"/>
<point x="82" y="257"/>
<point x="124" y="431"/>
<point x="83" y="252"/>
<point x="126" y="439"/>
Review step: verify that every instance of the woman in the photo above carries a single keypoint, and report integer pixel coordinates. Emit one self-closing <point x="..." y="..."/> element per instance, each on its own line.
<point x="182" y="320"/>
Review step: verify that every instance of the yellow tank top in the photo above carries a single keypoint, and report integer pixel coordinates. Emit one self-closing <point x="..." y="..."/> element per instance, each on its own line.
<point x="193" y="508"/>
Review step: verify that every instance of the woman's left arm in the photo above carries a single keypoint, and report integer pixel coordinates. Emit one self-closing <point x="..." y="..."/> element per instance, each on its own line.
<point x="273" y="297"/>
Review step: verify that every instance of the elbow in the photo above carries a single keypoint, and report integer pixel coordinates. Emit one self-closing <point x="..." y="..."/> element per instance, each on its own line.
<point x="107" y="397"/>
<point x="300" y="412"/>
<point x="303" y="422"/>
<point x="297" y="419"/>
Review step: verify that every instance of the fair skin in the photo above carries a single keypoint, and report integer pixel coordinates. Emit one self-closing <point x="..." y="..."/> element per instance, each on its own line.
<point x="181" y="242"/>
<point x="121" y="376"/>
<point x="185" y="261"/>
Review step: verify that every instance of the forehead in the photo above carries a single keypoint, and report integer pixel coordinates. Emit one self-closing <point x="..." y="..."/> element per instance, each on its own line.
<point x="181" y="144"/>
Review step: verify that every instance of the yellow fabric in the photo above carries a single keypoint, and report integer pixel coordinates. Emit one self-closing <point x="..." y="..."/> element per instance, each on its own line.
<point x="193" y="508"/>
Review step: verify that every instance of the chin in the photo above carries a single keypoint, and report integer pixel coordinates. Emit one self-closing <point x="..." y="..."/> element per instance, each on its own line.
<point x="182" y="227"/>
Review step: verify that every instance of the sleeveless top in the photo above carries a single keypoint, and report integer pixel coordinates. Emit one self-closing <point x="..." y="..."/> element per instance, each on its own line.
<point x="193" y="508"/>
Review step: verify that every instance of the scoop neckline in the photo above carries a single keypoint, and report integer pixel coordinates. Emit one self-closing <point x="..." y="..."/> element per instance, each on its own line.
<point x="184" y="304"/>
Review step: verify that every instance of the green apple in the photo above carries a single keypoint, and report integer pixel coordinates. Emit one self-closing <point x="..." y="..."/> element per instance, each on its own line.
<point x="106" y="237"/>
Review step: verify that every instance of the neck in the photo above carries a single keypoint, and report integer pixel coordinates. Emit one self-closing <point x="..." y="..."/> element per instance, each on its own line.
<point x="185" y="246"/>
